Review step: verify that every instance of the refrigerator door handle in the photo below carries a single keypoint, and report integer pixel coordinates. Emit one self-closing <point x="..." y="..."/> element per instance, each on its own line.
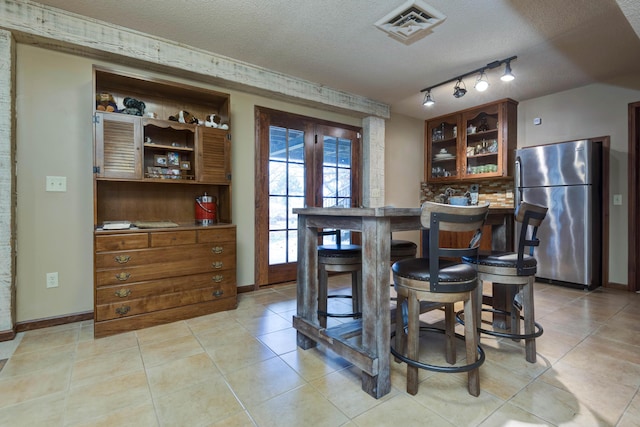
<point x="518" y="179"/>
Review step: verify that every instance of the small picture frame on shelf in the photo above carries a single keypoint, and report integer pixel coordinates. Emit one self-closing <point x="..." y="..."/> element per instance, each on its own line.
<point x="185" y="165"/>
<point x="159" y="160"/>
<point x="175" y="173"/>
<point x="173" y="158"/>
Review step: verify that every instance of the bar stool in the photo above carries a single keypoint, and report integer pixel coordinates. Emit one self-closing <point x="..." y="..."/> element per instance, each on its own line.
<point x="443" y="280"/>
<point x="342" y="259"/>
<point x="401" y="249"/>
<point x="516" y="270"/>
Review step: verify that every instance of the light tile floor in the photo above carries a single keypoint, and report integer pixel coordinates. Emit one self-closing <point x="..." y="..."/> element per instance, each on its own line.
<point x="242" y="368"/>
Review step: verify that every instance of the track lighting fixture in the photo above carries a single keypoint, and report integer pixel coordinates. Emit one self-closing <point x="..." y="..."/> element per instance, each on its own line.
<point x="482" y="82"/>
<point x="508" y="75"/>
<point x="459" y="91"/>
<point x="428" y="101"/>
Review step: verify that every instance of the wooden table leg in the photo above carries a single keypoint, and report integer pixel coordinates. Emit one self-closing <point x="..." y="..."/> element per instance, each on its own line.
<point x="376" y="329"/>
<point x="307" y="280"/>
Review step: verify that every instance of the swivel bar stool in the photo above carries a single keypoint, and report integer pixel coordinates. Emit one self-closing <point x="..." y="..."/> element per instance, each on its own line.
<point x="443" y="280"/>
<point x="340" y="258"/>
<point x="516" y="270"/>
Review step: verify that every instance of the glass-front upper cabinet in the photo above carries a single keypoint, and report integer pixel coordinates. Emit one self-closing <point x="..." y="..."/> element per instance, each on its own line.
<point x="442" y="148"/>
<point x="472" y="144"/>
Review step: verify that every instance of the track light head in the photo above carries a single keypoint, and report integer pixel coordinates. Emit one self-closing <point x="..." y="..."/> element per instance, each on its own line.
<point x="482" y="83"/>
<point x="508" y="75"/>
<point x="428" y="101"/>
<point x="459" y="91"/>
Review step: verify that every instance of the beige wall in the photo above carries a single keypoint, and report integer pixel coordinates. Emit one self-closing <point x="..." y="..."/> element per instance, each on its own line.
<point x="590" y="111"/>
<point x="54" y="137"/>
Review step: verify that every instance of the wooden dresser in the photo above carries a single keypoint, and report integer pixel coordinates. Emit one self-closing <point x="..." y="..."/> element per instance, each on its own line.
<point x="165" y="266"/>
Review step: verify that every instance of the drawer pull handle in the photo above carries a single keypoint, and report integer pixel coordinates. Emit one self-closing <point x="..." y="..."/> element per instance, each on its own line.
<point x="218" y="293"/>
<point x="217" y="278"/>
<point x="122" y="259"/>
<point x="217" y="264"/>
<point x="123" y="293"/>
<point x="123" y="310"/>
<point x="123" y="276"/>
<point x="217" y="249"/>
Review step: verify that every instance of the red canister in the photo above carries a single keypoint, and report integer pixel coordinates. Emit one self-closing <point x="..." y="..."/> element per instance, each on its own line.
<point x="206" y="212"/>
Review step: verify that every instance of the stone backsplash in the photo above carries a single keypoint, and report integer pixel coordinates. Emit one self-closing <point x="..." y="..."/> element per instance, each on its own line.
<point x="498" y="192"/>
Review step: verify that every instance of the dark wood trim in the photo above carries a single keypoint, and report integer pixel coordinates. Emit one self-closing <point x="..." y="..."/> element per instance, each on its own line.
<point x="606" y="197"/>
<point x="7" y="335"/>
<point x="246" y="288"/>
<point x="632" y="196"/>
<point x="619" y="286"/>
<point x="30" y="325"/>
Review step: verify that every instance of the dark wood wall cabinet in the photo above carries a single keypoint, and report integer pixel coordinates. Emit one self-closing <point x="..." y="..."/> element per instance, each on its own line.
<point x="154" y="263"/>
<point x="472" y="144"/>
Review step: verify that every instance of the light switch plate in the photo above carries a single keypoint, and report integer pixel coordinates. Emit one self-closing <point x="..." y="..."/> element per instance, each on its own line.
<point x="56" y="183"/>
<point x="617" y="199"/>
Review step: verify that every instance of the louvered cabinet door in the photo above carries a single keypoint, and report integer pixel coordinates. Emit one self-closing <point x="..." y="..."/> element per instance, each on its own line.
<point x="118" y="146"/>
<point x="214" y="156"/>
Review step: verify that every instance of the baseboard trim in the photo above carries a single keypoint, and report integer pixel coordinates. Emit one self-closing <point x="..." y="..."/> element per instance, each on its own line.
<point x="7" y="335"/>
<point x="53" y="321"/>
<point x="619" y="286"/>
<point x="246" y="288"/>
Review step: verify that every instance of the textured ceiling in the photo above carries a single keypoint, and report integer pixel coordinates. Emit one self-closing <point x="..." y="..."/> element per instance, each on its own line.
<point x="559" y="44"/>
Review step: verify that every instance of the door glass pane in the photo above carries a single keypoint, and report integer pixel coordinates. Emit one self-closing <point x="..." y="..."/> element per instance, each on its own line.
<point x="344" y="153"/>
<point x="286" y="191"/>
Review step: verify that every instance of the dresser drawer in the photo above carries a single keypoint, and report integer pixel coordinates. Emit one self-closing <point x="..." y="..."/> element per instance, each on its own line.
<point x="194" y="264"/>
<point x="134" y="258"/>
<point x="224" y="281"/>
<point x="213" y="235"/>
<point x="118" y="242"/>
<point x="149" y="304"/>
<point x="173" y="238"/>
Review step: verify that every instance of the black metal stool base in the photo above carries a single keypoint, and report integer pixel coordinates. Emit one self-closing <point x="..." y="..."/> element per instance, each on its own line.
<point x="439" y="368"/>
<point x="499" y="334"/>
<point x="357" y="315"/>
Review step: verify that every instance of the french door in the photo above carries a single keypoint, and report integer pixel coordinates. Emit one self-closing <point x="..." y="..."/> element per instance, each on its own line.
<point x="300" y="161"/>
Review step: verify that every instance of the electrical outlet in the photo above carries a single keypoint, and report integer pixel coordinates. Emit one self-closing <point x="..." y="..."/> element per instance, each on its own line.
<point x="52" y="280"/>
<point x="56" y="183"/>
<point x="617" y="199"/>
<point x="509" y="194"/>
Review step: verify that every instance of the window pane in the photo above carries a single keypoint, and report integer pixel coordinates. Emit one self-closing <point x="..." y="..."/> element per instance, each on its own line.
<point x="277" y="213"/>
<point x="277" y="178"/>
<point x="294" y="202"/>
<point x="329" y="184"/>
<point x="277" y="143"/>
<point x="296" y="146"/>
<point x="343" y="202"/>
<point x="329" y="155"/>
<point x="277" y="247"/>
<point x="344" y="182"/>
<point x="293" y="246"/>
<point x="296" y="179"/>
<point x="344" y="152"/>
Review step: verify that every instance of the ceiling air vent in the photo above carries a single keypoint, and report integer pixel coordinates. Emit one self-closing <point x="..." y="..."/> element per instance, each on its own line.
<point x="411" y="21"/>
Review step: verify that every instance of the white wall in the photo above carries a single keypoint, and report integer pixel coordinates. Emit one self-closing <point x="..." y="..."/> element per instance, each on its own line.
<point x="590" y="111"/>
<point x="55" y="137"/>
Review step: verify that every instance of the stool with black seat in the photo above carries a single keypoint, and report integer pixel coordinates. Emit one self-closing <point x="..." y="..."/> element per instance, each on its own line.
<point x="401" y="249"/>
<point x="516" y="270"/>
<point x="441" y="279"/>
<point x="339" y="258"/>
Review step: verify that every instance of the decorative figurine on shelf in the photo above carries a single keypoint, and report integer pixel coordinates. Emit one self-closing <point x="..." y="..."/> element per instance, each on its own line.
<point x="106" y="102"/>
<point x="133" y="106"/>
<point x="184" y="117"/>
<point x="211" y="121"/>
<point x="484" y="126"/>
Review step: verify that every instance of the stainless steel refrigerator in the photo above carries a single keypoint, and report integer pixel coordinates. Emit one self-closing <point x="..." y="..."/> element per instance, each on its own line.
<point x="565" y="177"/>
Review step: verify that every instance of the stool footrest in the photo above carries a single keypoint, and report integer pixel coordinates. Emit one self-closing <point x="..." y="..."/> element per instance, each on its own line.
<point x="439" y="368"/>
<point x="500" y="334"/>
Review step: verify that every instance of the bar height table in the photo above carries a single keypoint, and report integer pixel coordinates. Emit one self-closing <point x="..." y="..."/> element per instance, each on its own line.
<point x="364" y="342"/>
